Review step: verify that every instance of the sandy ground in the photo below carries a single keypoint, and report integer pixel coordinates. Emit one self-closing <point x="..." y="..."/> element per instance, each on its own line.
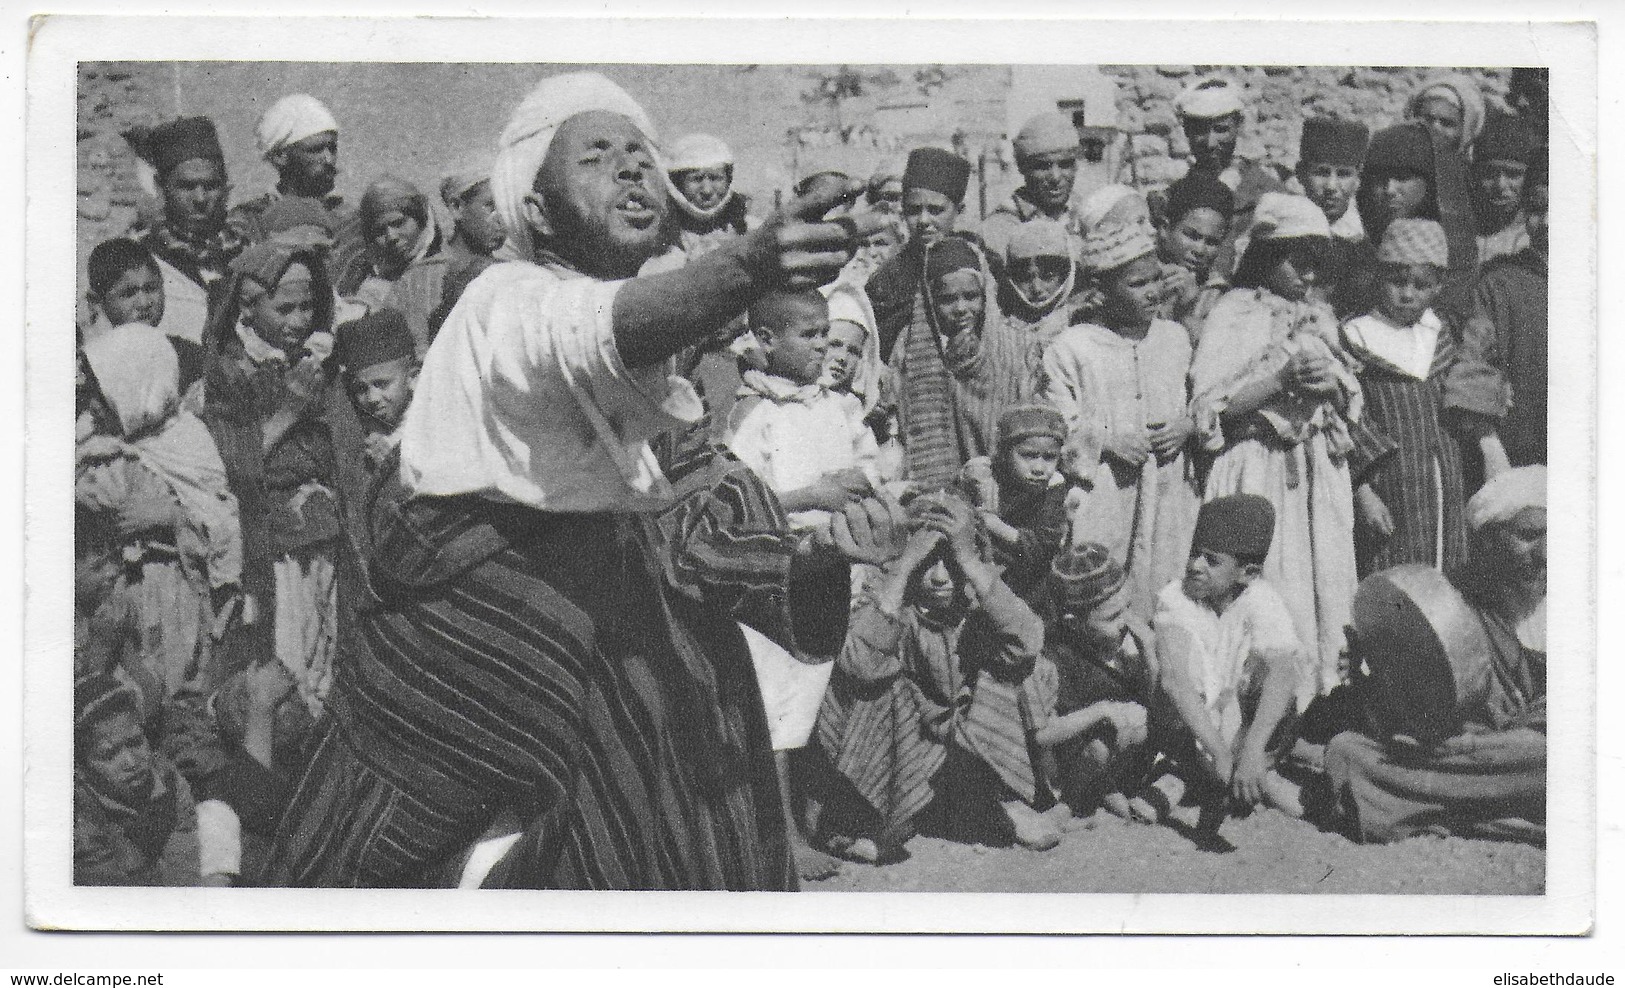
<point x="1272" y="853"/>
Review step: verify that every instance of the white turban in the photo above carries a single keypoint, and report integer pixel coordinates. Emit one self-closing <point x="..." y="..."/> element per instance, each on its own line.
<point x="1506" y="494"/>
<point x="1281" y="216"/>
<point x="699" y="151"/>
<point x="290" y="120"/>
<point x="1117" y="202"/>
<point x="524" y="142"/>
<point x="1206" y="99"/>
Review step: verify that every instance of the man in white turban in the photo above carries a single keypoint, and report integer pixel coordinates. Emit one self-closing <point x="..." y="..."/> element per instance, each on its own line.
<point x="1489" y="779"/>
<point x="553" y="650"/>
<point x="1047" y="156"/>
<point x="300" y="138"/>
<point x="709" y="209"/>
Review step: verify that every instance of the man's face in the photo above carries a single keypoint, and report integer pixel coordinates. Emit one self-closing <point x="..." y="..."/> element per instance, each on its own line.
<point x="476" y="218"/>
<point x="137" y="296"/>
<point x="600" y="196"/>
<point x="1535" y="205"/>
<point x="310" y="166"/>
<point x="1331" y="187"/>
<point x="194" y="194"/>
<point x="929" y="215"/>
<point x="118" y="756"/>
<point x="381" y="392"/>
<point x="1517" y="547"/>
<point x="1212" y="140"/>
<point x="1193" y="241"/>
<point x="706" y="188"/>
<point x="284" y="316"/>
<point x="1442" y="117"/>
<point x="1049" y="179"/>
<point x="1500" y="185"/>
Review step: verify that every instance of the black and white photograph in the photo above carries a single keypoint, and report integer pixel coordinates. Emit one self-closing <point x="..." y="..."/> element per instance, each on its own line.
<point x="1109" y="476"/>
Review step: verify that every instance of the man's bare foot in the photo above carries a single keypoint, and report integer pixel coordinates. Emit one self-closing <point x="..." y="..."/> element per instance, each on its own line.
<point x="860" y="849"/>
<point x="812" y="864"/>
<point x="1031" y="829"/>
<point x="1117" y="805"/>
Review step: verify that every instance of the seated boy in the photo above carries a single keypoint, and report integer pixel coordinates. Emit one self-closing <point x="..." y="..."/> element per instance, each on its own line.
<point x="1023" y="495"/>
<point x="1232" y="666"/>
<point x="926" y="707"/>
<point x="1093" y="686"/>
<point x="811" y="446"/>
<point x="134" y="822"/>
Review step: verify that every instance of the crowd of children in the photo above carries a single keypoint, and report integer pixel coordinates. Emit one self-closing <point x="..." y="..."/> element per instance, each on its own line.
<point x="1109" y="472"/>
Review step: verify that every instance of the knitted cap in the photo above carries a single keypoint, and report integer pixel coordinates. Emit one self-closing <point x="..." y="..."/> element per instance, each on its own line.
<point x="1047" y="133"/>
<point x="1414" y="241"/>
<point x="1041" y="237"/>
<point x="1505" y="139"/>
<point x="1241" y="525"/>
<point x="1084" y="576"/>
<point x="377" y="337"/>
<point x="1282" y="216"/>
<point x="1108" y="247"/>
<point x="1208" y="98"/>
<point x="288" y="212"/>
<point x="99" y="694"/>
<point x="938" y="170"/>
<point x="1026" y="421"/>
<point x="1327" y="141"/>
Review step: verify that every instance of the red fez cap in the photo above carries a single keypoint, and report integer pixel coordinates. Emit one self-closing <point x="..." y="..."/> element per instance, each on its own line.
<point x="377" y="337"/>
<point x="167" y="145"/>
<point x="1327" y="141"/>
<point x="1240" y="525"/>
<point x="937" y="170"/>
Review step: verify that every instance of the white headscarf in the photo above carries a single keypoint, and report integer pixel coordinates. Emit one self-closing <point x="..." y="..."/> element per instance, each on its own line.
<point x="1506" y="494"/>
<point x="290" y="120"/>
<point x="525" y="140"/>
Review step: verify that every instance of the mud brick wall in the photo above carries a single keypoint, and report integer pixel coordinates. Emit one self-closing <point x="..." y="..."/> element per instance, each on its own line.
<point x="1279" y="97"/>
<point x="113" y="96"/>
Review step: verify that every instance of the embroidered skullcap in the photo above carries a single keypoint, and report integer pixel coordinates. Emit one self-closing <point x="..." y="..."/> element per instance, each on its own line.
<point x="290" y="120"/>
<point x="1414" y="241"/>
<point x="1047" y="133"/>
<point x="938" y="170"/>
<point x="167" y="145"/>
<point x="698" y="151"/>
<point x="1327" y="141"/>
<point x="1506" y="494"/>
<point x="951" y="254"/>
<point x="454" y="185"/>
<point x="1402" y="148"/>
<point x="1208" y="98"/>
<point x="1084" y="576"/>
<point x="529" y="133"/>
<point x="100" y="694"/>
<point x="1241" y="525"/>
<point x="1459" y="90"/>
<point x="377" y="337"/>
<point x="289" y="212"/>
<point x="1112" y="245"/>
<point x="1041" y="237"/>
<point x="1505" y="139"/>
<point x="1113" y="202"/>
<point x="1026" y="421"/>
<point x="1282" y="216"/>
<point x="1199" y="190"/>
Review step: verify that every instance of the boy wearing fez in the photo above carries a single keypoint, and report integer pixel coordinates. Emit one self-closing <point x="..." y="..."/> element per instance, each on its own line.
<point x="1232" y="664"/>
<point x="1329" y="155"/>
<point x="934" y="183"/>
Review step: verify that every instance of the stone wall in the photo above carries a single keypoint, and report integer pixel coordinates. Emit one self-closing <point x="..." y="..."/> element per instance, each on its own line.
<point x="113" y="96"/>
<point x="1279" y="98"/>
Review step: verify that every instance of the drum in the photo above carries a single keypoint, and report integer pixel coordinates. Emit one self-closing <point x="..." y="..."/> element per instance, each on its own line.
<point x="1423" y="651"/>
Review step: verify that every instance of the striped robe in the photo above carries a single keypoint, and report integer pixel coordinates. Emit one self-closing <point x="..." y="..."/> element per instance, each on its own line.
<point x="1408" y="449"/>
<point x="905" y="690"/>
<point x="585" y="673"/>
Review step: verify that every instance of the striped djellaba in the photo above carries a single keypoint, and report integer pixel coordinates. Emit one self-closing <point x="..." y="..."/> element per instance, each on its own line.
<point x="583" y="673"/>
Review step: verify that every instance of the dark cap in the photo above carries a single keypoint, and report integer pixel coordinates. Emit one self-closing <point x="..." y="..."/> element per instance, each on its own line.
<point x="937" y="170"/>
<point x="1504" y="139"/>
<point x="167" y="145"/>
<point x="377" y="337"/>
<point x="1240" y="525"/>
<point x="1328" y="141"/>
<point x="1401" y="148"/>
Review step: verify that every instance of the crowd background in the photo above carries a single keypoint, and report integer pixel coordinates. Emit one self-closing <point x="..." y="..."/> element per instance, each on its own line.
<point x="1311" y="565"/>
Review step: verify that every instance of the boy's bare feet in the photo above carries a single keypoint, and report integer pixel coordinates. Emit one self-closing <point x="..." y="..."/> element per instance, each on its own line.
<point x="860" y="849"/>
<point x="812" y="864"/>
<point x="1030" y="828"/>
<point x="1117" y="805"/>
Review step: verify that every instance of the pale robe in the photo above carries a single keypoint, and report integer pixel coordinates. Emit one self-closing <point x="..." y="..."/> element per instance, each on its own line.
<point x="1105" y="385"/>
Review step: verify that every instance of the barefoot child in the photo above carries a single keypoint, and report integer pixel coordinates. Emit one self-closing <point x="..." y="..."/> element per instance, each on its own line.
<point x="1119" y="379"/>
<point x="1231" y="663"/>
<point x="810" y="445"/>
<point x="1092" y="687"/>
<point x="1428" y="392"/>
